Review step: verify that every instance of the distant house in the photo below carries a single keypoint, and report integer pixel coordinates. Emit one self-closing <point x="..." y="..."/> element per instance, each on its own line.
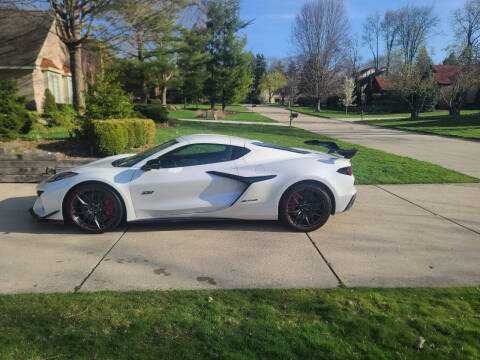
<point x="380" y="88"/>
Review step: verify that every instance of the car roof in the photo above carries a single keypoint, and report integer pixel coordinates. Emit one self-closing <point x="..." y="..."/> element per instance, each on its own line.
<point x="212" y="138"/>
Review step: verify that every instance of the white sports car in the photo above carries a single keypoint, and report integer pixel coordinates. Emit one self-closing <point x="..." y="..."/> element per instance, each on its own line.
<point x="203" y="176"/>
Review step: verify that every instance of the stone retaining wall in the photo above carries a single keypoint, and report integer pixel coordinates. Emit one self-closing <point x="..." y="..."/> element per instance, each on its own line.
<point x="32" y="167"/>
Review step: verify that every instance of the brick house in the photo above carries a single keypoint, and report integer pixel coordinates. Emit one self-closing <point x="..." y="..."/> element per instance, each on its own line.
<point x="32" y="53"/>
<point x="444" y="75"/>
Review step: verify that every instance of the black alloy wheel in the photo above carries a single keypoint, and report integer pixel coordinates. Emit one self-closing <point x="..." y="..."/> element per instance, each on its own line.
<point x="305" y="207"/>
<point x="94" y="208"/>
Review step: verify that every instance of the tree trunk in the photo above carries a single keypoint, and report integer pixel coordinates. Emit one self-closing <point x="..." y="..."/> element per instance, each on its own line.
<point x="141" y="58"/>
<point x="413" y="114"/>
<point x="319" y="106"/>
<point x="78" y="86"/>
<point x="164" y="96"/>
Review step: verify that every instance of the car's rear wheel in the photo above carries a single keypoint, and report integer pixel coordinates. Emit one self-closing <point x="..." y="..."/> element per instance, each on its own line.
<point x="94" y="208"/>
<point x="305" y="207"/>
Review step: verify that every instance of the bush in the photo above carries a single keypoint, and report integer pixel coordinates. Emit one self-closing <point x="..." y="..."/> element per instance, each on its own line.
<point x="155" y="102"/>
<point x="64" y="116"/>
<point x="105" y="99"/>
<point x="134" y="133"/>
<point x="14" y="117"/>
<point x="111" y="137"/>
<point x="140" y="131"/>
<point x="49" y="103"/>
<point x="159" y="114"/>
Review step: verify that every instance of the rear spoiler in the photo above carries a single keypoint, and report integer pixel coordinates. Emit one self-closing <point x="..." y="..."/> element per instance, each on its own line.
<point x="333" y="148"/>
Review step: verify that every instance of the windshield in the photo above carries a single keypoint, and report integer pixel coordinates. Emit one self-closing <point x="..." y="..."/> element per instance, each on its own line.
<point x="135" y="159"/>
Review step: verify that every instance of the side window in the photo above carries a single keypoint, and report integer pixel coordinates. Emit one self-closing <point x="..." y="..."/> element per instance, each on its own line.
<point x="238" y="152"/>
<point x="196" y="154"/>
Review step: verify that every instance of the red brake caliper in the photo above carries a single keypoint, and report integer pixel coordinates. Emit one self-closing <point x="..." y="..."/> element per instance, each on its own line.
<point x="109" y="205"/>
<point x="292" y="202"/>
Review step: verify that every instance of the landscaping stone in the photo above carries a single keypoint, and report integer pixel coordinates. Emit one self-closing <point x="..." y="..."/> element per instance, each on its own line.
<point x="32" y="167"/>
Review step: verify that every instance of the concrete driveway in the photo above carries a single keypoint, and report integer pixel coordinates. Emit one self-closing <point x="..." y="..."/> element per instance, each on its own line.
<point x="456" y="154"/>
<point x="395" y="236"/>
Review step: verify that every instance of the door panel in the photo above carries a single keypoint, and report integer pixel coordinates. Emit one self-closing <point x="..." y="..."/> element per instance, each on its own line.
<point x="184" y="190"/>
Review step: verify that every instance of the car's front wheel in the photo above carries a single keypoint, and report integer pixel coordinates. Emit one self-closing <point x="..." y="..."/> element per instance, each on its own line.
<point x="305" y="207"/>
<point x="94" y="208"/>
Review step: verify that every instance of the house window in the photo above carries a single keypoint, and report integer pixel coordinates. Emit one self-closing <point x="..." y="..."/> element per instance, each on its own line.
<point x="70" y="91"/>
<point x="54" y="86"/>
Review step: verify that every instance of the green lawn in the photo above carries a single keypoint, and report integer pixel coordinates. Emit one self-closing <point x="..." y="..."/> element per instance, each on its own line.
<point x="464" y="126"/>
<point x="243" y="324"/>
<point x="217" y="106"/>
<point x="241" y="116"/>
<point x="354" y="114"/>
<point x="370" y="166"/>
<point x="42" y="132"/>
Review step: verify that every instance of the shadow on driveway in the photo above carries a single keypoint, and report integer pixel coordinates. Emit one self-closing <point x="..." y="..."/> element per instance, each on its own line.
<point x="15" y="218"/>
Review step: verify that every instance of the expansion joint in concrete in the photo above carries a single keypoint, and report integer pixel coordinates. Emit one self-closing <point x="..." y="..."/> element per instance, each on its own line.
<point x="340" y="282"/>
<point x="79" y="287"/>
<point x="428" y="210"/>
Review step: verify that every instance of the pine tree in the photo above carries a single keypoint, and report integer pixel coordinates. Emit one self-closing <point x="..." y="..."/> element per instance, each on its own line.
<point x="105" y="99"/>
<point x="229" y="67"/>
<point x="14" y="118"/>
<point x="49" y="103"/>
<point x="259" y="67"/>
<point x="192" y="60"/>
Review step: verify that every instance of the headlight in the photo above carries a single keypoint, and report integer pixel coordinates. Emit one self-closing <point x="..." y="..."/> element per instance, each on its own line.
<point x="61" y="176"/>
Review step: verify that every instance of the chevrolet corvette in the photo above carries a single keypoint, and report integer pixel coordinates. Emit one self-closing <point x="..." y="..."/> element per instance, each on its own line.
<point x="207" y="177"/>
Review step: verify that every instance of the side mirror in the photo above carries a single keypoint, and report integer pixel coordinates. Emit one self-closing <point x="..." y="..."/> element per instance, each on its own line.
<point x="151" y="165"/>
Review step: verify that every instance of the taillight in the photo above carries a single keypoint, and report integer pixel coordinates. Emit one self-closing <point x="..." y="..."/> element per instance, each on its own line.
<point x="346" y="171"/>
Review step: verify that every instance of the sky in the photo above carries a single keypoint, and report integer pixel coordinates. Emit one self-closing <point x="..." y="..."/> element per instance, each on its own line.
<point x="270" y="33"/>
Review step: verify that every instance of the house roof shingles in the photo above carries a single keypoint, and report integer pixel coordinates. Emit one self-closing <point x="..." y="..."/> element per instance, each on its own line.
<point x="385" y="84"/>
<point x="22" y="34"/>
<point x="445" y="74"/>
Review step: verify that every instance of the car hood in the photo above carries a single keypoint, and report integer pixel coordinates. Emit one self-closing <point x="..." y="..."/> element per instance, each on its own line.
<point x="103" y="163"/>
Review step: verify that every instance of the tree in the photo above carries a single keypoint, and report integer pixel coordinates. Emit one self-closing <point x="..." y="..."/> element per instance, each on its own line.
<point x="163" y="67"/>
<point x="372" y="31"/>
<point x="105" y="99"/>
<point x="278" y="66"/>
<point x="192" y="60"/>
<point x="466" y="26"/>
<point x="259" y="68"/>
<point x="292" y="81"/>
<point x="74" y="25"/>
<point x="454" y="95"/>
<point x="320" y="34"/>
<point x="415" y="24"/>
<point x="139" y="28"/>
<point x="389" y="27"/>
<point x="415" y="85"/>
<point x="14" y="117"/>
<point x="49" y="103"/>
<point x="424" y="64"/>
<point x="451" y="59"/>
<point x="272" y="82"/>
<point x="229" y="65"/>
<point x="352" y="68"/>
<point x="349" y="96"/>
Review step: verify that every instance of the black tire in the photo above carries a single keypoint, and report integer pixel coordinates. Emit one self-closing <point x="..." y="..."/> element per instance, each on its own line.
<point x="93" y="208"/>
<point x="305" y="207"/>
